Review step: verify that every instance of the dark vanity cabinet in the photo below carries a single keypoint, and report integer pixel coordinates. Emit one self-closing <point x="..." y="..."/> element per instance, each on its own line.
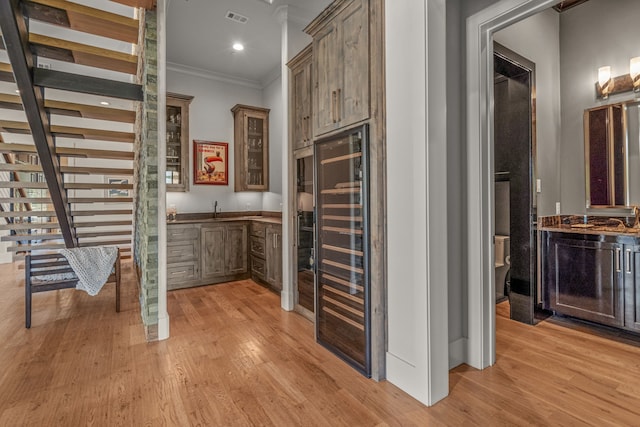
<point x="592" y="277"/>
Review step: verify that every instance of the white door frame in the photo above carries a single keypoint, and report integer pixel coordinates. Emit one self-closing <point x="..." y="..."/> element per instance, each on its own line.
<point x="481" y="348"/>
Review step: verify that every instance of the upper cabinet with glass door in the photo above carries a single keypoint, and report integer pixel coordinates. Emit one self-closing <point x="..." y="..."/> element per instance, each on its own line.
<point x="177" y="173"/>
<point x="251" y="148"/>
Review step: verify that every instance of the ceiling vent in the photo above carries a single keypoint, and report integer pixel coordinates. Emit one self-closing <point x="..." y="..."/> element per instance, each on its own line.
<point x="236" y="17"/>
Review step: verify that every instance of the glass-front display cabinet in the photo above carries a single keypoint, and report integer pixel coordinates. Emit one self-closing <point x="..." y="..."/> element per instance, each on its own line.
<point x="342" y="247"/>
<point x="251" y="148"/>
<point x="177" y="155"/>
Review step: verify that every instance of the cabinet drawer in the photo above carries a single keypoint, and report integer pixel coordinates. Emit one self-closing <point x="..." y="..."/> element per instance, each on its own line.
<point x="181" y="273"/>
<point x="176" y="233"/>
<point x="182" y="251"/>
<point x="258" y="268"/>
<point x="257" y="246"/>
<point x="258" y="229"/>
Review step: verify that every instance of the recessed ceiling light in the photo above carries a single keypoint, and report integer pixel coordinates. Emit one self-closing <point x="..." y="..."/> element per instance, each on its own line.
<point x="104" y="103"/>
<point x="238" y="47"/>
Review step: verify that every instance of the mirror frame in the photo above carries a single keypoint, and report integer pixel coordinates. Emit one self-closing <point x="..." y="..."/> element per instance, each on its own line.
<point x="610" y="130"/>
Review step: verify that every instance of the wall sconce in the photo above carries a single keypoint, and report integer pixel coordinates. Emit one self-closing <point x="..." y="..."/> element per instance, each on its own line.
<point x="607" y="85"/>
<point x="604" y="81"/>
<point x="634" y="72"/>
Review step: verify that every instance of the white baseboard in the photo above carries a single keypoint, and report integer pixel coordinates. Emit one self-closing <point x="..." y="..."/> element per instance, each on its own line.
<point x="163" y="328"/>
<point x="457" y="352"/>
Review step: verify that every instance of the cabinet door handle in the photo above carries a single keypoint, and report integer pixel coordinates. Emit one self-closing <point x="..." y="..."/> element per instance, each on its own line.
<point x="334" y="96"/>
<point x="338" y="104"/>
<point x="627" y="260"/>
<point x="617" y="260"/>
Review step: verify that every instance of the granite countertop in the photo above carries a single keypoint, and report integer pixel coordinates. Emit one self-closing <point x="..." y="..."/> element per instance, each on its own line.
<point x="268" y="218"/>
<point x="594" y="225"/>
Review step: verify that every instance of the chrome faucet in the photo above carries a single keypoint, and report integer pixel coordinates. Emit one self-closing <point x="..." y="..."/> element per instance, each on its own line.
<point x="215" y="209"/>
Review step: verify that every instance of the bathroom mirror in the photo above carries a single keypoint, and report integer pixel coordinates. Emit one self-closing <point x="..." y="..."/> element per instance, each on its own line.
<point x="612" y="155"/>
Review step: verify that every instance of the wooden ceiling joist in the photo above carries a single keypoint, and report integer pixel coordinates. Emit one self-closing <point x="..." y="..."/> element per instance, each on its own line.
<point x="12" y="126"/>
<point x="82" y="54"/>
<point x="84" y="19"/>
<point x="86" y="84"/>
<point x="16" y="37"/>
<point x="70" y="152"/>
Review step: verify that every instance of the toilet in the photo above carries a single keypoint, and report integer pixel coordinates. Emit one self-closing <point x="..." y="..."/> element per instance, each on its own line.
<point x="503" y="264"/>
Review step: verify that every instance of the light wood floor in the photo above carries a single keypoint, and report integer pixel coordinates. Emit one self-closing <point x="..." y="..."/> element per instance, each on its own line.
<point x="236" y="359"/>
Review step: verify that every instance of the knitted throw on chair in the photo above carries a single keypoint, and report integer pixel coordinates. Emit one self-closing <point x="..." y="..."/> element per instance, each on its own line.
<point x="92" y="266"/>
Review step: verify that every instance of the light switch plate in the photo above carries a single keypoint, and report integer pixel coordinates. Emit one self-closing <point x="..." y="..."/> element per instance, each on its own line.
<point x="557" y="208"/>
<point x="538" y="186"/>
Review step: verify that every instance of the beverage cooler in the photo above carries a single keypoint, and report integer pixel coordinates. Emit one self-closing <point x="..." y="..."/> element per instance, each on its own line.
<point x="342" y="247"/>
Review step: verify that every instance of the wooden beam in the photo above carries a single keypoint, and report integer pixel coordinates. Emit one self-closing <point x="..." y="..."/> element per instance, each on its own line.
<point x="84" y="19"/>
<point x="78" y="53"/>
<point x="30" y="226"/>
<point x="104" y="243"/>
<point x="41" y="247"/>
<point x="12" y="126"/>
<point x="70" y="152"/>
<point x="16" y="37"/>
<point x="86" y="84"/>
<point x="103" y="212"/>
<point x="104" y="233"/>
<point x="96" y="186"/>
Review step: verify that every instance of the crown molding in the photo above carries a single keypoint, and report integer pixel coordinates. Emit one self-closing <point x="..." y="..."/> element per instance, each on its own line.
<point x="212" y="75"/>
<point x="271" y="76"/>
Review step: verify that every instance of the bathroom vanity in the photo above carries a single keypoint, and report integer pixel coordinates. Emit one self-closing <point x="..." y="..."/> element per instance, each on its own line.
<point x="591" y="271"/>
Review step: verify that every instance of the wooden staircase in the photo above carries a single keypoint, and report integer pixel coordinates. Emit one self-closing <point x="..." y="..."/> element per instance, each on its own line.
<point x="68" y="99"/>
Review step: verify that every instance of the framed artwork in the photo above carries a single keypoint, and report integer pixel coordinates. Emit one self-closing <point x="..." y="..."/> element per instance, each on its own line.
<point x="210" y="163"/>
<point x="117" y="192"/>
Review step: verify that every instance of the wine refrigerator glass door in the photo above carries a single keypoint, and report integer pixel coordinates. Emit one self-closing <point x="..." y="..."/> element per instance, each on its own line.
<point x="304" y="223"/>
<point x="342" y="287"/>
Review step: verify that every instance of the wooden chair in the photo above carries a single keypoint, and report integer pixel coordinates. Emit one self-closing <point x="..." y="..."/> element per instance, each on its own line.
<point x="39" y="265"/>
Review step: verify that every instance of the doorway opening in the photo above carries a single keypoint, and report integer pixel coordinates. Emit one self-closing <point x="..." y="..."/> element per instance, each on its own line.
<point x="514" y="176"/>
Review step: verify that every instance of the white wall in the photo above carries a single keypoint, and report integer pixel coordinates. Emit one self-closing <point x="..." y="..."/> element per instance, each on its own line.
<point x="272" y="199"/>
<point x="597" y="33"/>
<point x="210" y="119"/>
<point x="538" y="39"/>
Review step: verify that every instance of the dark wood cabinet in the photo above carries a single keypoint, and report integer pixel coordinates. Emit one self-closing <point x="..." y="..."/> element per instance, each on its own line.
<point x="592" y="277"/>
<point x="632" y="286"/>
